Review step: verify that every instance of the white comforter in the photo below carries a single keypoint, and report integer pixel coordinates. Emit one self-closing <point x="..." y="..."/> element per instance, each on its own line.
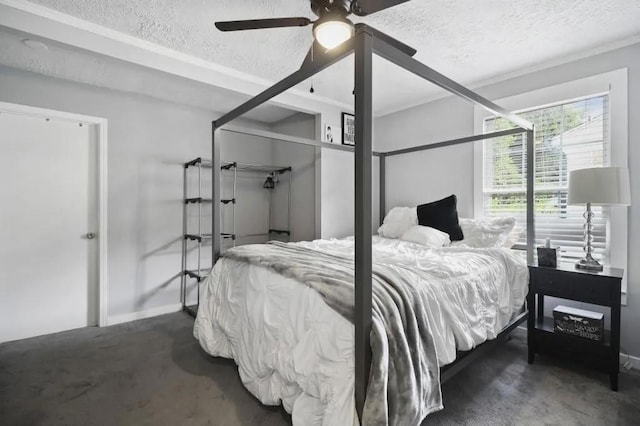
<point x="291" y="348"/>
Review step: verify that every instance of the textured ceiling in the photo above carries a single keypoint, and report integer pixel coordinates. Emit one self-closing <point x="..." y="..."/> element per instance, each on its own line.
<point x="62" y="61"/>
<point x="468" y="40"/>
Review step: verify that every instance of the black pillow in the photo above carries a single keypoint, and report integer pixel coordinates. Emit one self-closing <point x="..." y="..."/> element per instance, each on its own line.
<point x="442" y="215"/>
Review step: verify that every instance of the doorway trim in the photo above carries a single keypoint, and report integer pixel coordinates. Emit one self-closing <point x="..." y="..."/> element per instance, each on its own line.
<point x="101" y="124"/>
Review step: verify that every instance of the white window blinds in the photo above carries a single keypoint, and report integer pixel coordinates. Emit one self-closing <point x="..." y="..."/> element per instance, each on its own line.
<point x="569" y="136"/>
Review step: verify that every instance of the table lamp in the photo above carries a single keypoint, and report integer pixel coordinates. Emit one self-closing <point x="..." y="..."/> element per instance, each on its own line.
<point x="601" y="186"/>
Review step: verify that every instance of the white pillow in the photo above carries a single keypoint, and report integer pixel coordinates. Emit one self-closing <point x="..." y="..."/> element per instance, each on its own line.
<point x="514" y="236"/>
<point x="426" y="236"/>
<point x="398" y="221"/>
<point x="486" y="232"/>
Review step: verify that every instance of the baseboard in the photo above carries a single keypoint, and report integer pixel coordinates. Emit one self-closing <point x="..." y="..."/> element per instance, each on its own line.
<point x="153" y="312"/>
<point x="634" y="361"/>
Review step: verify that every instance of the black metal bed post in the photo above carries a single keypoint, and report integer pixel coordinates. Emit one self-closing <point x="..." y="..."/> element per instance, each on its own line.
<point x="396" y="56"/>
<point x="531" y="206"/>
<point x="382" y="182"/>
<point x="216" y="174"/>
<point x="515" y="131"/>
<point x="321" y="62"/>
<point x="363" y="219"/>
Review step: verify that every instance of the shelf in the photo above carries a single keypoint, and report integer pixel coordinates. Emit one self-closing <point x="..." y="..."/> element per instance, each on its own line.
<point x="197" y="200"/>
<point x="245" y="167"/>
<point x="197" y="237"/>
<point x="263" y="234"/>
<point x="257" y="168"/>
<point x="198" y="162"/>
<point x="545" y="325"/>
<point x="198" y="275"/>
<point x="570" y="267"/>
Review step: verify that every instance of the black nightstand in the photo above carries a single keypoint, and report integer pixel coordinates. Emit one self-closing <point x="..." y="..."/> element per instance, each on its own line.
<point x="566" y="282"/>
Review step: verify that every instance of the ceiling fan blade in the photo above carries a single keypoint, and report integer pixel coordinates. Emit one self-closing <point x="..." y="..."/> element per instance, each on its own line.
<point x="367" y="7"/>
<point x="257" y="24"/>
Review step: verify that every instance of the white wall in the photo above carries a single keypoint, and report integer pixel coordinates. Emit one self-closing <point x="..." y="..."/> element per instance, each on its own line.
<point x="338" y="194"/>
<point x="300" y="125"/>
<point x="302" y="158"/>
<point x="450" y="117"/>
<point x="149" y="140"/>
<point x="421" y="177"/>
<point x="425" y="176"/>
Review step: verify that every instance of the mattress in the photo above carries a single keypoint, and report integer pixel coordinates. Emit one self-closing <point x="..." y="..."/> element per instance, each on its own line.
<point x="293" y="349"/>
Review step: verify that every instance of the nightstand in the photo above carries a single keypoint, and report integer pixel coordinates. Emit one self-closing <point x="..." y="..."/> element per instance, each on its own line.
<point x="566" y="282"/>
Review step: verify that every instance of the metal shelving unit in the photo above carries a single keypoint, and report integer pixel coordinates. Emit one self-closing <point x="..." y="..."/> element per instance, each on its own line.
<point x="199" y="237"/>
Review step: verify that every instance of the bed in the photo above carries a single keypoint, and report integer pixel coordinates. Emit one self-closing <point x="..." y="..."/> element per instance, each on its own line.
<point x="294" y="344"/>
<point x="301" y="390"/>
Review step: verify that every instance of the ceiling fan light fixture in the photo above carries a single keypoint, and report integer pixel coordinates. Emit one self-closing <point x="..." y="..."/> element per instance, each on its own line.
<point x="333" y="32"/>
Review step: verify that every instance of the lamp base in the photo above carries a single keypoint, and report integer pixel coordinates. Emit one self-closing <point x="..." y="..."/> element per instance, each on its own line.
<point x="589" y="265"/>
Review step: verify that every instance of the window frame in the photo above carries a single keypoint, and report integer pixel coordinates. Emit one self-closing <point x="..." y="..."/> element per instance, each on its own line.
<point x="615" y="83"/>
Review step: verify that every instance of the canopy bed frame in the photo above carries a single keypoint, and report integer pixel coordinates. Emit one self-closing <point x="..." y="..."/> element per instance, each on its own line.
<point x="364" y="44"/>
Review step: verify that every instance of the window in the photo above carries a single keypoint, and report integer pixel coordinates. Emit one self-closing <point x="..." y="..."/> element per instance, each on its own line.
<point x="557" y="146"/>
<point x="569" y="135"/>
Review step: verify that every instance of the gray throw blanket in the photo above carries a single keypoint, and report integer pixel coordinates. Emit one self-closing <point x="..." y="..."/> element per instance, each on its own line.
<point x="404" y="383"/>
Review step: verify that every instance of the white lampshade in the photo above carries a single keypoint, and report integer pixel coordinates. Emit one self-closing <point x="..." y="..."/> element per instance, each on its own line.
<point x="333" y="32"/>
<point x="604" y="186"/>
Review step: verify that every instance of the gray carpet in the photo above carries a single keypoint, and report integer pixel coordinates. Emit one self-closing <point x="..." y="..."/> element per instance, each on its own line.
<point x="152" y="372"/>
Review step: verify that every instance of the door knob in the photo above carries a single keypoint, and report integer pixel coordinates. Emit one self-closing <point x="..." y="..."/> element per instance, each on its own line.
<point x="90" y="236"/>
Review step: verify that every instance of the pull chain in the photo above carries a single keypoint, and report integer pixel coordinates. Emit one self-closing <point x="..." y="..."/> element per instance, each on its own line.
<point x="312" y="90"/>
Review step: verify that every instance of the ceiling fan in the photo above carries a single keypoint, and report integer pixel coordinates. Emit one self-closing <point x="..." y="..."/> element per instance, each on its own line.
<point x="332" y="27"/>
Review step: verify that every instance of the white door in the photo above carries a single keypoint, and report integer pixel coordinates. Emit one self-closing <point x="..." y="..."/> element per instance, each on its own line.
<point x="48" y="206"/>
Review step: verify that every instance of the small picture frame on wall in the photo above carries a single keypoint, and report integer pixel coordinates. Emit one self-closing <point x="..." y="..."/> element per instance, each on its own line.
<point x="330" y="134"/>
<point x="348" y="129"/>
